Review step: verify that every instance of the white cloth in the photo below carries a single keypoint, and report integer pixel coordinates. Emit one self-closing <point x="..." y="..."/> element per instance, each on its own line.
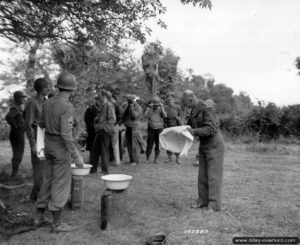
<point x="176" y="139"/>
<point x="40" y="143"/>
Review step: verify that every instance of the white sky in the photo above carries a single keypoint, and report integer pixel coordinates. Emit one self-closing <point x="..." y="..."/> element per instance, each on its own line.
<point x="249" y="45"/>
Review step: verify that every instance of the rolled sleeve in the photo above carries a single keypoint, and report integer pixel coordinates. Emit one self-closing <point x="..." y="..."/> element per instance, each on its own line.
<point x="209" y="127"/>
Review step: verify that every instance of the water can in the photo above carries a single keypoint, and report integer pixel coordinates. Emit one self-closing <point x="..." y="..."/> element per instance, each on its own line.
<point x="77" y="192"/>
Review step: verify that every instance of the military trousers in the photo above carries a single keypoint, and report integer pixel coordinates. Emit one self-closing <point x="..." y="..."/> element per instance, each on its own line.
<point x="37" y="174"/>
<point x="17" y="141"/>
<point x="100" y="148"/>
<point x="132" y="143"/>
<point x="115" y="144"/>
<point x="210" y="175"/>
<point x="56" y="185"/>
<point x="153" y="138"/>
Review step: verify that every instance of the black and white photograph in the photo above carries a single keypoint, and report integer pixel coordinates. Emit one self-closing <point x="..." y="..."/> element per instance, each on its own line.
<point x="149" y="122"/>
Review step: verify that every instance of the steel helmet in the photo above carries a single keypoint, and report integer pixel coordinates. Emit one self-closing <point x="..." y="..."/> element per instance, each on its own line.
<point x="66" y="81"/>
<point x="40" y="83"/>
<point x="19" y="95"/>
<point x="156" y="101"/>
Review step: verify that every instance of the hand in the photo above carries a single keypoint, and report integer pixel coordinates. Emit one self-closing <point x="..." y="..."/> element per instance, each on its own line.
<point x="209" y="104"/>
<point x="79" y="162"/>
<point x="191" y="131"/>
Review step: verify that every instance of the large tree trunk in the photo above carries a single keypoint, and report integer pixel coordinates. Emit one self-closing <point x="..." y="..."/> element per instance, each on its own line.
<point x="29" y="73"/>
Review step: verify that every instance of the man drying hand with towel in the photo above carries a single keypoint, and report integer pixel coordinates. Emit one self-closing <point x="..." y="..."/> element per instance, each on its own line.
<point x="205" y="126"/>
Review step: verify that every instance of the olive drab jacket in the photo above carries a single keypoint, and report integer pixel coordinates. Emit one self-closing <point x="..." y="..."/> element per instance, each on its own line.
<point x="32" y="114"/>
<point x="58" y="119"/>
<point x="15" y="118"/>
<point x="206" y="126"/>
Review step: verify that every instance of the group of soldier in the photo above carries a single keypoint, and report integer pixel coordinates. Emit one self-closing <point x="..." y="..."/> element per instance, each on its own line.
<point x="109" y="124"/>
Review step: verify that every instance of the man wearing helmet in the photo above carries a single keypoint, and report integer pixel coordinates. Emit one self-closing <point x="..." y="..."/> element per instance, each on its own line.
<point x="155" y="115"/>
<point x="32" y="114"/>
<point x="15" y="119"/>
<point x="58" y="118"/>
<point x="130" y="118"/>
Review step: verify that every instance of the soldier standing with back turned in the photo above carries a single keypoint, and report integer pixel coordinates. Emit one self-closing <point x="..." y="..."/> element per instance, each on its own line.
<point x="58" y="120"/>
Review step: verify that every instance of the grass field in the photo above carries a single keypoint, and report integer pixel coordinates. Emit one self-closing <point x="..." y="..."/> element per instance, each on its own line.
<point x="260" y="194"/>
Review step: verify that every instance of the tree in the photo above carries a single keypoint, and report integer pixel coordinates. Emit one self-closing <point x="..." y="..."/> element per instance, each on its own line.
<point x="102" y="21"/>
<point x="16" y="65"/>
<point x="160" y="67"/>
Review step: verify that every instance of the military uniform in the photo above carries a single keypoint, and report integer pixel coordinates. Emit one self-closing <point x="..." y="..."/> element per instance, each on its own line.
<point x="211" y="155"/>
<point x="32" y="114"/>
<point x="131" y="118"/>
<point x="57" y="119"/>
<point x="89" y="118"/>
<point x="106" y="119"/>
<point x="15" y="119"/>
<point x="172" y="120"/>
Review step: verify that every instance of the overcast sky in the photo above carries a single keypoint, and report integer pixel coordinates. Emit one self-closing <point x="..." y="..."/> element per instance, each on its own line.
<point x="250" y="45"/>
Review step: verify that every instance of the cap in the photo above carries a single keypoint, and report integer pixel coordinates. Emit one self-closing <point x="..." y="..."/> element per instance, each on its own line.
<point x="19" y="94"/>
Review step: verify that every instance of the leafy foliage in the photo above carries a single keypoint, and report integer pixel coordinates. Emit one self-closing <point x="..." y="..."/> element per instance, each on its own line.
<point x="103" y="22"/>
<point x="160" y="67"/>
<point x="16" y="66"/>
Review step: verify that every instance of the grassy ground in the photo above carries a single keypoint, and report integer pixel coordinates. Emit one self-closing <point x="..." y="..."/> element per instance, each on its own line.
<point x="260" y="195"/>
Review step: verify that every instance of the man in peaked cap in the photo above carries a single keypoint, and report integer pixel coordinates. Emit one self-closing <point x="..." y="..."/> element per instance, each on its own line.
<point x="15" y="119"/>
<point x="155" y="115"/>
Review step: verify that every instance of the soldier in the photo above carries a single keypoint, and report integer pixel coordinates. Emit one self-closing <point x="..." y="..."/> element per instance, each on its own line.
<point x="15" y="119"/>
<point x="58" y="119"/>
<point x="205" y="126"/>
<point x="89" y="119"/>
<point x="172" y="120"/>
<point x="155" y="115"/>
<point x="130" y="118"/>
<point x="104" y="123"/>
<point x="32" y="114"/>
<point x="115" y="135"/>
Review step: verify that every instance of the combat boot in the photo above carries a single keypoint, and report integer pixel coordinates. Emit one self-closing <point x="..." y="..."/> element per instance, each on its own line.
<point x="177" y="159"/>
<point x="15" y="169"/>
<point x="147" y="158"/>
<point x="156" y="158"/>
<point x="58" y="225"/>
<point x="40" y="218"/>
<point x="169" y="158"/>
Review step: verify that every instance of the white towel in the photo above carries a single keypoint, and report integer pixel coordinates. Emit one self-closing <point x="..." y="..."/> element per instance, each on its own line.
<point x="176" y="139"/>
<point x="40" y="143"/>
